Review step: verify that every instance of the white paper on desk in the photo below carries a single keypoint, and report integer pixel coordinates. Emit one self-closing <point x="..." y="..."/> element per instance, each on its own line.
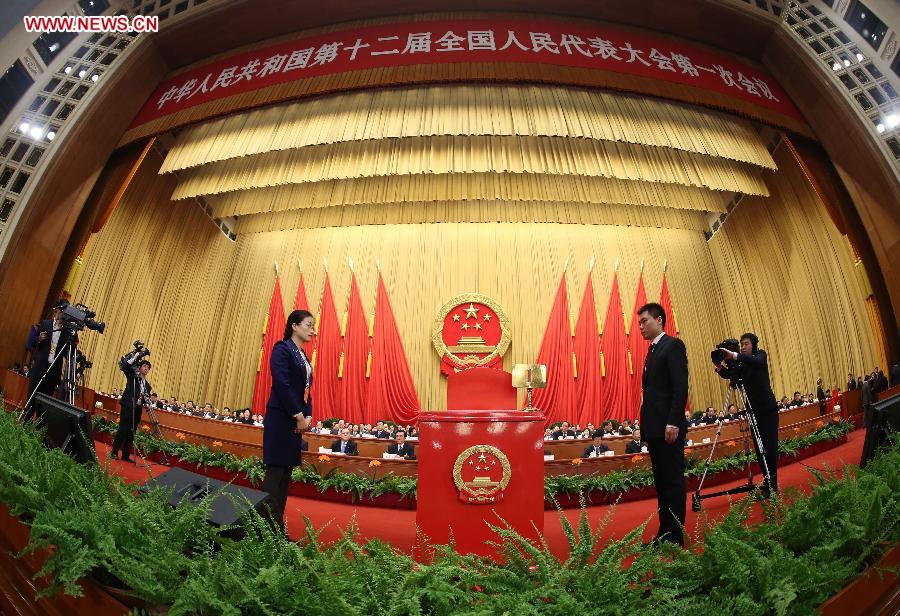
<point x="644" y="449"/>
<point x="570" y="438"/>
<point x="368" y="436"/>
<point x="324" y="450"/>
<point x="412" y="438"/>
<point x="707" y="440"/>
<point x="389" y="456"/>
<point x="609" y="453"/>
<point x="338" y="452"/>
<point x="593" y="454"/>
<point x="547" y="458"/>
<point x="690" y="443"/>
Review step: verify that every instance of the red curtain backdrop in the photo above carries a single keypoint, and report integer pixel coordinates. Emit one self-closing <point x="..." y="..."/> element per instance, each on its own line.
<point x="301" y="303"/>
<point x="325" y="358"/>
<point x="355" y="355"/>
<point x="588" y="381"/>
<point x="392" y="394"/>
<point x="559" y="399"/>
<point x="274" y="330"/>
<point x="637" y="349"/>
<point x="665" y="300"/>
<point x="616" y="387"/>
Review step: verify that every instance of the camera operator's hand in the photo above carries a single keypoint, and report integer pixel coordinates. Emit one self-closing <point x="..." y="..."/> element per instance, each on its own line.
<point x="671" y="434"/>
<point x="730" y="354"/>
<point x="42" y="336"/>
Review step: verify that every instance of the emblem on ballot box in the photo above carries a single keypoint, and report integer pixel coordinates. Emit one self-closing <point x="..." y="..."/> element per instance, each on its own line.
<point x="470" y="331"/>
<point x="481" y="474"/>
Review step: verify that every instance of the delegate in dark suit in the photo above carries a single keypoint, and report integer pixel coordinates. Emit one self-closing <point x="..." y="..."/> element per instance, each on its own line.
<point x="291" y="375"/>
<point x="406" y="450"/>
<point x="596" y="450"/>
<point x="347" y="447"/>
<point x="665" y="383"/>
<point x="755" y="373"/>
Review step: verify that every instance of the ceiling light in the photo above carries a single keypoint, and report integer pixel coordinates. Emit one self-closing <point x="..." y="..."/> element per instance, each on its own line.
<point x="835" y="67"/>
<point x="82" y="73"/>
<point x="846" y="62"/>
<point x="859" y="57"/>
<point x="37" y="132"/>
<point x="879" y="127"/>
<point x="23" y="127"/>
<point x="51" y="135"/>
<point x="67" y="70"/>
<point x="54" y="47"/>
<point x="893" y="120"/>
<point x="95" y="77"/>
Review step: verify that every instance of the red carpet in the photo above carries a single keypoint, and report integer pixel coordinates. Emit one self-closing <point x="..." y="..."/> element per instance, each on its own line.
<point x="397" y="527"/>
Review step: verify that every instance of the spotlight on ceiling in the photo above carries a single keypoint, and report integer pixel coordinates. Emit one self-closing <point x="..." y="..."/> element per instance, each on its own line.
<point x="893" y="120"/>
<point x="23" y="127"/>
<point x="36" y="132"/>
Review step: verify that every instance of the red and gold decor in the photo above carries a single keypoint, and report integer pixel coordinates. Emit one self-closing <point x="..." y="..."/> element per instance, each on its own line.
<point x="478" y="468"/>
<point x="470" y="331"/>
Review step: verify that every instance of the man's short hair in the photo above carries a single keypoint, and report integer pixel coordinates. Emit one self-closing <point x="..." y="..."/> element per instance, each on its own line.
<point x="655" y="310"/>
<point x="399" y="432"/>
<point x="145" y="363"/>
<point x="597" y="434"/>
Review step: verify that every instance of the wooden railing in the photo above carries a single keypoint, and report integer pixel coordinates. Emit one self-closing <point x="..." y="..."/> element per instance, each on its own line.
<point x="245" y="441"/>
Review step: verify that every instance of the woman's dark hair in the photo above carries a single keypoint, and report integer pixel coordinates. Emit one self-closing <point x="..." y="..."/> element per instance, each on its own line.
<point x="296" y="317"/>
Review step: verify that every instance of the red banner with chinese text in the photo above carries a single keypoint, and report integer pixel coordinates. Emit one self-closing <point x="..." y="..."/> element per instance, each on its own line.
<point x="602" y="47"/>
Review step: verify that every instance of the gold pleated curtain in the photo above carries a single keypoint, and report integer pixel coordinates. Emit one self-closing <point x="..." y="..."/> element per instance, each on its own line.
<point x="410" y="177"/>
<point x="467" y="144"/>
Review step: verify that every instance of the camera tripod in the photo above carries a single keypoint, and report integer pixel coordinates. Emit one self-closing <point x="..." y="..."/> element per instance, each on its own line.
<point x="66" y="350"/>
<point x="737" y="386"/>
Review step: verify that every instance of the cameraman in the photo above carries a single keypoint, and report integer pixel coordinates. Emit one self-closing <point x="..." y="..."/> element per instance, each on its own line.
<point x="751" y="365"/>
<point x="51" y="337"/>
<point x="136" y="394"/>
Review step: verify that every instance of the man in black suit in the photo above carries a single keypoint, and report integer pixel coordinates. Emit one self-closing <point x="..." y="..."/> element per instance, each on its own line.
<point x="754" y="371"/>
<point x="597" y="448"/>
<point x="135" y="396"/>
<point x="344" y="444"/>
<point x="821" y="396"/>
<point x="895" y="374"/>
<point x="400" y="447"/>
<point x="665" y="384"/>
<point x="564" y="432"/>
<point x="851" y="382"/>
<point x="51" y="338"/>
<point x="634" y="445"/>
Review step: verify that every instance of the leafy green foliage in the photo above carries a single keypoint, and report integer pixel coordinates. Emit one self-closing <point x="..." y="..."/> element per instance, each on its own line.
<point x="805" y="550"/>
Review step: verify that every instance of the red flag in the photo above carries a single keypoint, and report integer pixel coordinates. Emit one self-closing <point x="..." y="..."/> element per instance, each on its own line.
<point x="272" y="333"/>
<point x="671" y="327"/>
<point x="325" y="357"/>
<point x="559" y="399"/>
<point x="354" y="356"/>
<point x="665" y="300"/>
<point x="637" y="351"/>
<point x="392" y="394"/>
<point x="301" y="303"/>
<point x="588" y="379"/>
<point x="616" y="391"/>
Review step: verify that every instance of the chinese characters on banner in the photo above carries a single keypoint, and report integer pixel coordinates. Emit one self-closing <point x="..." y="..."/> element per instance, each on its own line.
<point x="469" y="41"/>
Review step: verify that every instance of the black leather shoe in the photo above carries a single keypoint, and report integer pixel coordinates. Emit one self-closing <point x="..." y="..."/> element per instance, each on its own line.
<point x="114" y="456"/>
<point x="131" y="460"/>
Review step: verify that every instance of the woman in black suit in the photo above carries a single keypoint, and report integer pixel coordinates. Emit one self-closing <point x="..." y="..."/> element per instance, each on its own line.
<point x="288" y="410"/>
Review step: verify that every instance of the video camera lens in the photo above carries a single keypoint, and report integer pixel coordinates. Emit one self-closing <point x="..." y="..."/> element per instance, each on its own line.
<point x="717" y="355"/>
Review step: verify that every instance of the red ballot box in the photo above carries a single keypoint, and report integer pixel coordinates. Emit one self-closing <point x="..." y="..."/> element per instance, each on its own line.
<point x="478" y="468"/>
